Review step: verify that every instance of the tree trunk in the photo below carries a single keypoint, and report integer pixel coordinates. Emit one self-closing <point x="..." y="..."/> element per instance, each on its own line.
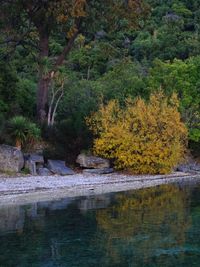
<point x="44" y="78"/>
<point x="18" y="144"/>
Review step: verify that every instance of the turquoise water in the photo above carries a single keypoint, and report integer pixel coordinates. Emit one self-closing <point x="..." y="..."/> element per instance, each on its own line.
<point x="152" y="227"/>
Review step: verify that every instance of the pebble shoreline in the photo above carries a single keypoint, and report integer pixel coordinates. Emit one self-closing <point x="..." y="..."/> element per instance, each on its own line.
<point x="30" y="189"/>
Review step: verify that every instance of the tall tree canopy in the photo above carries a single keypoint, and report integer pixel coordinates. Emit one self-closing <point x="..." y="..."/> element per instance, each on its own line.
<point x="35" y="22"/>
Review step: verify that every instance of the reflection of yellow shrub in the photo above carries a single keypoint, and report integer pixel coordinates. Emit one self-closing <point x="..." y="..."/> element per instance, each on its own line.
<point x="138" y="220"/>
<point x="143" y="137"/>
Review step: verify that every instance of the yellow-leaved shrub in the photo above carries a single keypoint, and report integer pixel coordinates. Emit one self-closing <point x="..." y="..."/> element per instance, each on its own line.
<point x="144" y="137"/>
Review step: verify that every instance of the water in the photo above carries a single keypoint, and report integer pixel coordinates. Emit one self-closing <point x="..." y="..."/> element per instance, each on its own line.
<point x="152" y="227"/>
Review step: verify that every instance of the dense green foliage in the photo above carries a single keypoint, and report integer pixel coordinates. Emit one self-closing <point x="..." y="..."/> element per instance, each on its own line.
<point x="105" y="64"/>
<point x="181" y="77"/>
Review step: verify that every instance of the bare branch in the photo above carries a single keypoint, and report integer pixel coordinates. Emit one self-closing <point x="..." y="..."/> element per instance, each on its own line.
<point x="56" y="106"/>
<point x="52" y="107"/>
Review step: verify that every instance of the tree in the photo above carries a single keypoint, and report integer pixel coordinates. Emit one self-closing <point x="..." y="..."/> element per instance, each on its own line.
<point x="28" y="21"/>
<point x="181" y="77"/>
<point x="144" y="137"/>
<point x="172" y="31"/>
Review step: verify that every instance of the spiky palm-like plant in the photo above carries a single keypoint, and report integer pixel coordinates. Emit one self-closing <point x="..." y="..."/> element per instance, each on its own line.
<point x="18" y="129"/>
<point x="23" y="131"/>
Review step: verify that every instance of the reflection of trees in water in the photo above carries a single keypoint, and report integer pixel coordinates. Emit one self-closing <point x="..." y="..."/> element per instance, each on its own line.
<point x="12" y="218"/>
<point x="143" y="221"/>
<point x="49" y="231"/>
<point x="127" y="228"/>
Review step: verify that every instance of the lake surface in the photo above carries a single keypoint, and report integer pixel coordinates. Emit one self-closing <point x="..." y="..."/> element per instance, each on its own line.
<point x="151" y="227"/>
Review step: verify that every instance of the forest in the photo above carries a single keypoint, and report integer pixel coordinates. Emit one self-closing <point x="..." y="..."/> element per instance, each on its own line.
<point x="67" y="66"/>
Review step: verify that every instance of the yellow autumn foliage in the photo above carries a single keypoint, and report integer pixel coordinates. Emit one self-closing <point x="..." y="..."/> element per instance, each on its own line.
<point x="144" y="138"/>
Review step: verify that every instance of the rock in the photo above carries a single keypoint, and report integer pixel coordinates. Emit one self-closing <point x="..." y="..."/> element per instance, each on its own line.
<point x="183" y="168"/>
<point x="58" y="167"/>
<point x="11" y="159"/>
<point x="33" y="162"/>
<point x="36" y="158"/>
<point x="99" y="171"/>
<point x="92" y="162"/>
<point x="189" y="167"/>
<point x="44" y="172"/>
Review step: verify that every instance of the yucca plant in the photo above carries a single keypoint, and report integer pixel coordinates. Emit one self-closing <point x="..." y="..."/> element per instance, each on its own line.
<point x="22" y="131"/>
<point x="18" y="129"/>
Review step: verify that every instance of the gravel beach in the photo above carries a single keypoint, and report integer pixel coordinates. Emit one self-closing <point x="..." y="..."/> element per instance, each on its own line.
<point x="29" y="189"/>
